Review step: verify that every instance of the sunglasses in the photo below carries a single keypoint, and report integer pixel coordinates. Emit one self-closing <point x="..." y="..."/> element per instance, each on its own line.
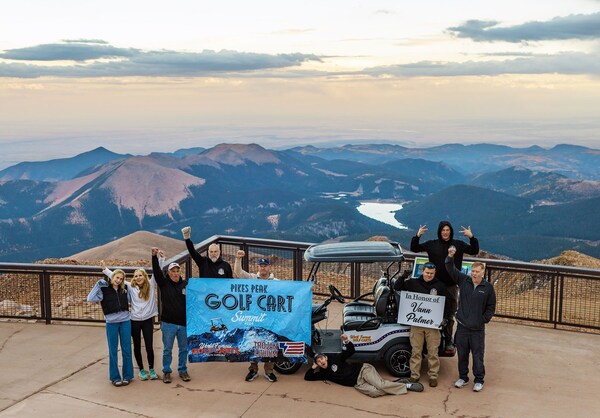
<point x="429" y="265"/>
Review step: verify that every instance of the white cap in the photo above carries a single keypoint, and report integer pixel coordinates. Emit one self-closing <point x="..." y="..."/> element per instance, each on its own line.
<point x="172" y="265"/>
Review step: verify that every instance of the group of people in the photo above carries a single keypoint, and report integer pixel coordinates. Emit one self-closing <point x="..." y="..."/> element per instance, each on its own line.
<point x="130" y="308"/>
<point x="469" y="297"/>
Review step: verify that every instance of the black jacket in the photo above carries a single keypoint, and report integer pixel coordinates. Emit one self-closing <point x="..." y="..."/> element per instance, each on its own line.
<point x="419" y="285"/>
<point x="114" y="300"/>
<point x="437" y="250"/>
<point x="172" y="296"/>
<point x="476" y="305"/>
<point x="220" y="269"/>
<point x="338" y="370"/>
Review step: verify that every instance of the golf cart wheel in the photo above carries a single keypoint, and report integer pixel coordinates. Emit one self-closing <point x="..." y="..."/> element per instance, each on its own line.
<point x="397" y="360"/>
<point x="287" y="367"/>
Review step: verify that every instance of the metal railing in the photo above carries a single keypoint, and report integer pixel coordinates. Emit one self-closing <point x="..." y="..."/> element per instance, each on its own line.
<point x="547" y="295"/>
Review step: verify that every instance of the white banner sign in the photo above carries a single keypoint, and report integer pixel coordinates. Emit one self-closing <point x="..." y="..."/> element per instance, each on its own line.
<point x="421" y="309"/>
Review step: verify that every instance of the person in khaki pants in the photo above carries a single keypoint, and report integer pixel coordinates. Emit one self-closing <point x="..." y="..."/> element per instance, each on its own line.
<point x="426" y="283"/>
<point x="362" y="376"/>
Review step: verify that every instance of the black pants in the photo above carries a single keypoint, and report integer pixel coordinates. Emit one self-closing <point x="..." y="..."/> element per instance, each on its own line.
<point x="452" y="301"/>
<point x="470" y="341"/>
<point x="147" y="329"/>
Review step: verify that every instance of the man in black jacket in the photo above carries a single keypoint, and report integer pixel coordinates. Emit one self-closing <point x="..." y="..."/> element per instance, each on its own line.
<point x="475" y="309"/>
<point x="437" y="250"/>
<point x="212" y="266"/>
<point x="362" y="376"/>
<point x="173" y="319"/>
<point x="428" y="284"/>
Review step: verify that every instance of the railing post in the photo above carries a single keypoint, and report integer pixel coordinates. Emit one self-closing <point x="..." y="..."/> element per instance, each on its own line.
<point x="561" y="285"/>
<point x="46" y="296"/>
<point x="355" y="280"/>
<point x="553" y="301"/>
<point x="298" y="259"/>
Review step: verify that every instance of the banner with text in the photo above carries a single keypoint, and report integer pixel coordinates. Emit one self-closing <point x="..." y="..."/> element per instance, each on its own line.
<point x="242" y="320"/>
<point x="421" y="309"/>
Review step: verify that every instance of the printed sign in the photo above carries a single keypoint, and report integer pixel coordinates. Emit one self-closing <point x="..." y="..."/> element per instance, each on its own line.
<point x="420" y="261"/>
<point x="241" y="320"/>
<point x="421" y="309"/>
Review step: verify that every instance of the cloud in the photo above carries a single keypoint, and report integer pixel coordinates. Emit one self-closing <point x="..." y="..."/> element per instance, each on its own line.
<point x="579" y="26"/>
<point x="69" y="51"/>
<point x="133" y="62"/>
<point x="565" y="63"/>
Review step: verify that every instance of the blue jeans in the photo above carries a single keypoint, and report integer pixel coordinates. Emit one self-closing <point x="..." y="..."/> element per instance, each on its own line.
<point x="115" y="332"/>
<point x="169" y="332"/>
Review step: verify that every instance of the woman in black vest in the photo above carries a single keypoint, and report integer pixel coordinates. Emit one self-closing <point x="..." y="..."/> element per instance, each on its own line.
<point x="114" y="296"/>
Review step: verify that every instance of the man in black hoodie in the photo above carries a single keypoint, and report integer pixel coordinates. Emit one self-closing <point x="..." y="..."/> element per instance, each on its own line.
<point x="437" y="250"/>
<point x="428" y="284"/>
<point x="212" y="266"/>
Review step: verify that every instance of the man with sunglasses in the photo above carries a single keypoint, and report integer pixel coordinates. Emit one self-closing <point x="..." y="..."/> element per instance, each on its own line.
<point x="426" y="283"/>
<point x="437" y="250"/>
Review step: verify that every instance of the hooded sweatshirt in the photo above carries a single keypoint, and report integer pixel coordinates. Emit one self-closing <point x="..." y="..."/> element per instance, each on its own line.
<point x="437" y="250"/>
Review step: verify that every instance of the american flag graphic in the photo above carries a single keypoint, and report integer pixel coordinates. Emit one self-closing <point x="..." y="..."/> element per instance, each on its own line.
<point x="292" y="348"/>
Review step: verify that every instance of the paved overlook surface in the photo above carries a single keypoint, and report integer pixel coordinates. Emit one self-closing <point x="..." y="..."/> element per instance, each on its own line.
<point x="62" y="371"/>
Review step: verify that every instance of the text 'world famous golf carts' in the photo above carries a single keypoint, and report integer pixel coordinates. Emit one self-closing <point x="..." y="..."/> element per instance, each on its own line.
<point x="370" y="321"/>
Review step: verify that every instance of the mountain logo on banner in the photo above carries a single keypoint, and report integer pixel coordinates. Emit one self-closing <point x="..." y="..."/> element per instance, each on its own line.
<point x="291" y="349"/>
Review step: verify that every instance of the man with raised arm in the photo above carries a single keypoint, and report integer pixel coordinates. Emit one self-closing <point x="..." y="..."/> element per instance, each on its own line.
<point x="264" y="272"/>
<point x="212" y="266"/>
<point x="436" y="250"/>
<point x="476" y="307"/>
<point x="173" y="318"/>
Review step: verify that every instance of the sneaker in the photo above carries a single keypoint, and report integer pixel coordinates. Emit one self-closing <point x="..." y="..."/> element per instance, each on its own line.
<point x="166" y="377"/>
<point x="251" y="375"/>
<point x="432" y="383"/>
<point x="460" y="383"/>
<point x="185" y="376"/>
<point x="153" y="375"/>
<point x="477" y="387"/>
<point x="414" y="387"/>
<point x="125" y="382"/>
<point x="117" y="383"/>
<point x="143" y="375"/>
<point x="403" y="380"/>
<point x="271" y="377"/>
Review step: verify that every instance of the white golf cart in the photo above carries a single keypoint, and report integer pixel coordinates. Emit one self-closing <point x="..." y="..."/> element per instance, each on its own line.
<point x="371" y="325"/>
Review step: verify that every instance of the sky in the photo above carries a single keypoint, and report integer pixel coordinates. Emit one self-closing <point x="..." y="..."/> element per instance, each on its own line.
<point x="142" y="76"/>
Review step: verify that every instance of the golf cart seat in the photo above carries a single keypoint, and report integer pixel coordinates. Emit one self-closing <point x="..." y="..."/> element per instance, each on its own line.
<point x="378" y="308"/>
<point x="358" y="307"/>
<point x="361" y="322"/>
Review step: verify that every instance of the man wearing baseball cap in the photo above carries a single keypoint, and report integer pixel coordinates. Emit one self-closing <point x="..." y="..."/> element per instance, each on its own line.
<point x="264" y="272"/>
<point x="173" y="319"/>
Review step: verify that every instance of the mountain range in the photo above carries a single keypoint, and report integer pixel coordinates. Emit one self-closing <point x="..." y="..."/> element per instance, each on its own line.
<point x="525" y="203"/>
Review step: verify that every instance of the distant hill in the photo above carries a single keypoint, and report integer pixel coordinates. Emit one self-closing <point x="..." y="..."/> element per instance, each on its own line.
<point x="541" y="186"/>
<point x="59" y="169"/>
<point x="132" y="247"/>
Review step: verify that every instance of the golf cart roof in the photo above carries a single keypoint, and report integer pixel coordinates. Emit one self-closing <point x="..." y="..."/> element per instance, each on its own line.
<point x="359" y="251"/>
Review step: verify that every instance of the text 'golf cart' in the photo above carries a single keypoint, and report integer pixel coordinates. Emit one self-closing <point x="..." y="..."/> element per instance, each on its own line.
<point x="371" y="325"/>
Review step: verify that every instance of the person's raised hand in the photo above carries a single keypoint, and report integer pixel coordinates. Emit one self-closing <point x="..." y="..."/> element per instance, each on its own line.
<point x="422" y="230"/>
<point x="186" y="231"/>
<point x="154" y="251"/>
<point x="240" y="254"/>
<point x="451" y="251"/>
<point x="102" y="265"/>
<point x="467" y="231"/>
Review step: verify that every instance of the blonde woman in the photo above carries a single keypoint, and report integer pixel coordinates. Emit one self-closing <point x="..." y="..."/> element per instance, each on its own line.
<point x="143" y="311"/>
<point x="114" y="296"/>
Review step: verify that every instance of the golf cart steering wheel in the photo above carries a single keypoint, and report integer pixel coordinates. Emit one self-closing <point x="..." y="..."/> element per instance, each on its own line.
<point x="336" y="294"/>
